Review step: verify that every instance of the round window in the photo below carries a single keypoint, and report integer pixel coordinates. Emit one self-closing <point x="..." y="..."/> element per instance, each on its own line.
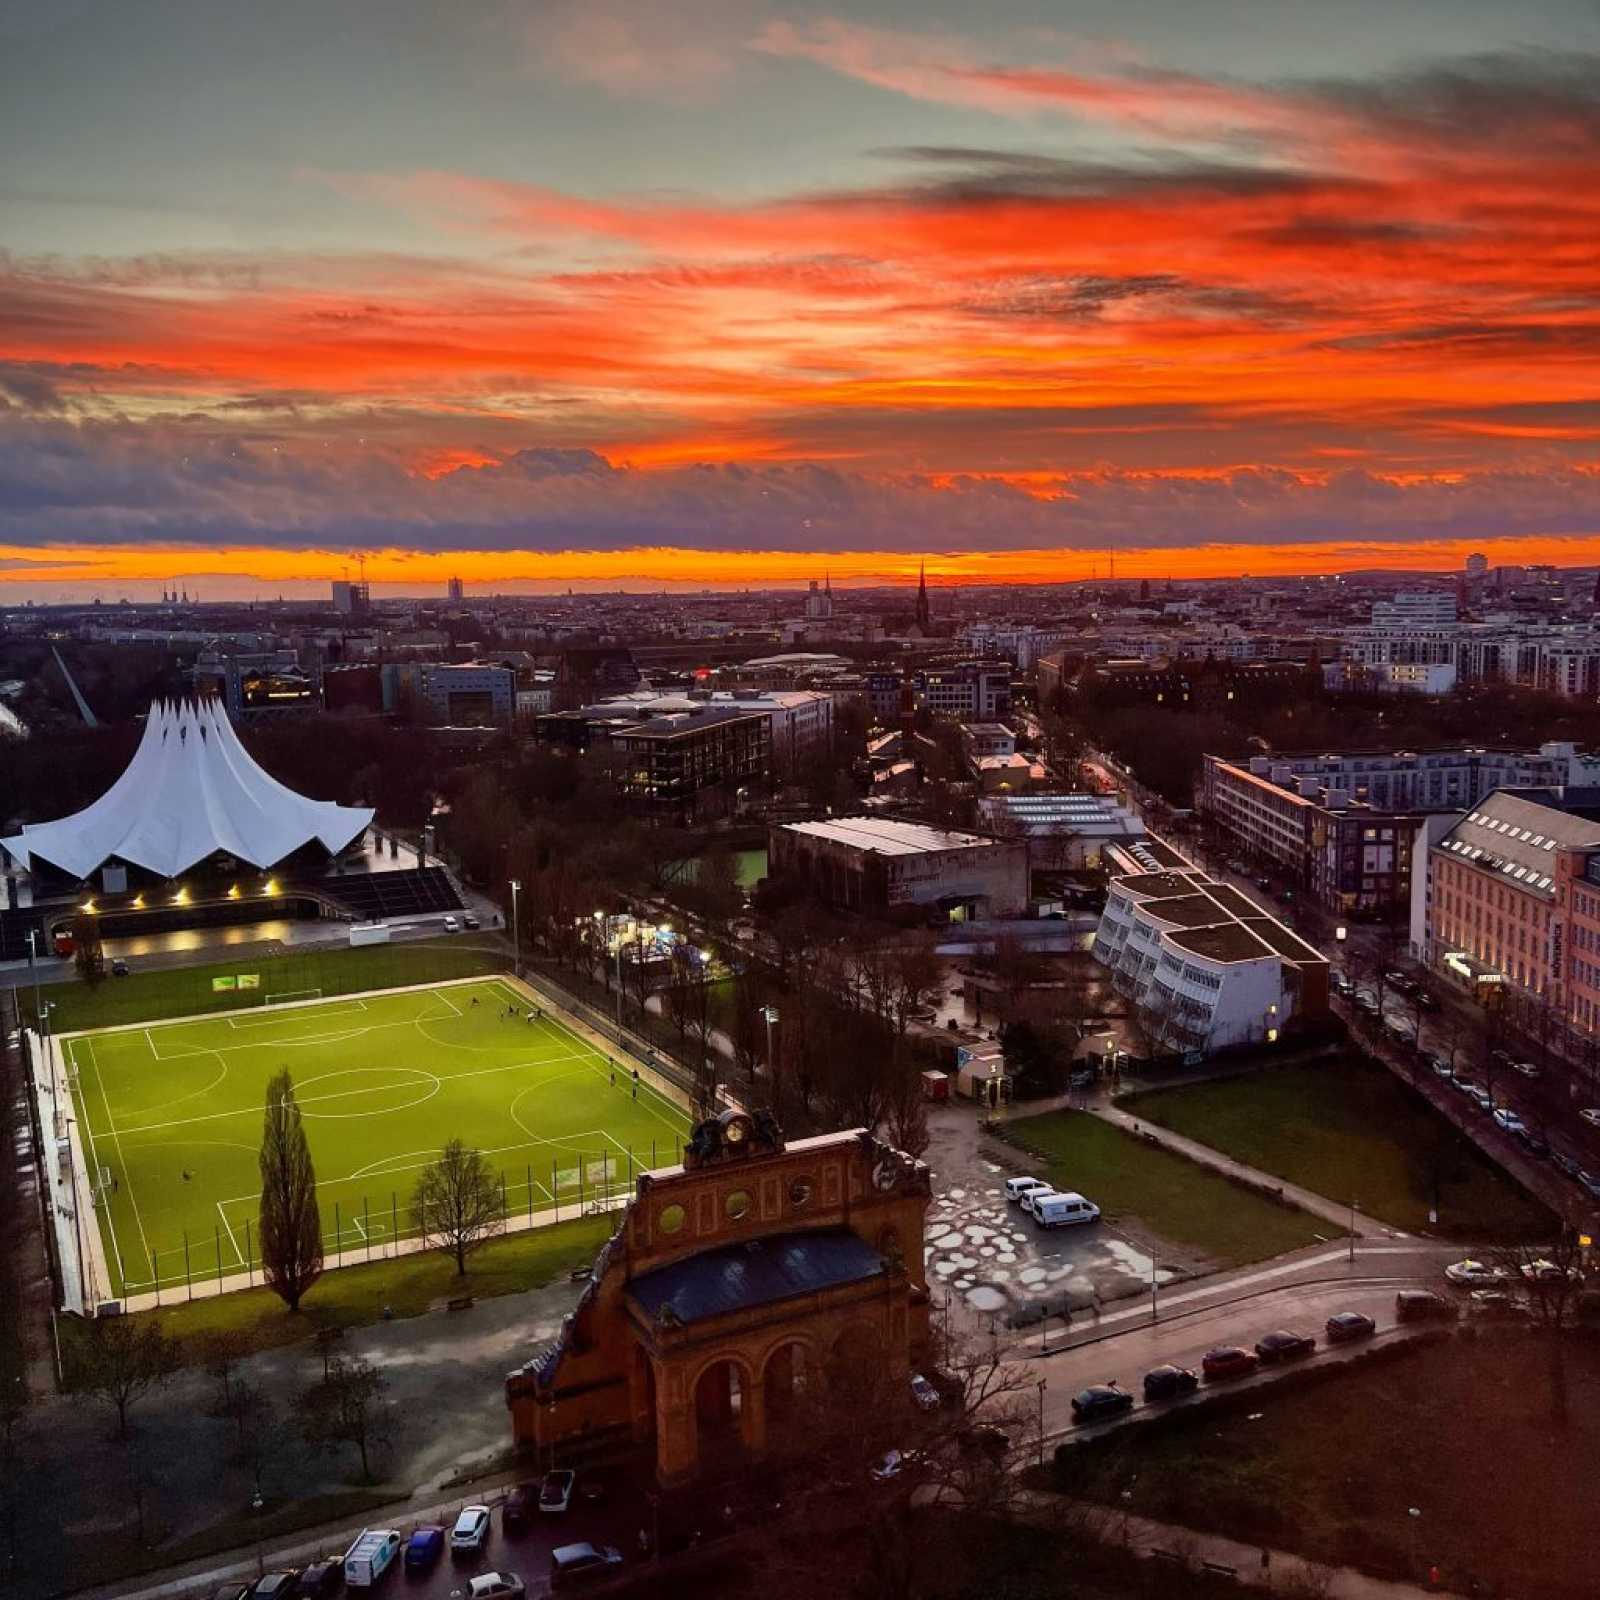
<point x="671" y="1219"/>
<point x="737" y="1204"/>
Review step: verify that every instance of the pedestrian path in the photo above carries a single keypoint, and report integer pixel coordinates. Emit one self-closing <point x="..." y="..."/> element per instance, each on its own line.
<point x="1338" y="1214"/>
<point x="1258" y="1566"/>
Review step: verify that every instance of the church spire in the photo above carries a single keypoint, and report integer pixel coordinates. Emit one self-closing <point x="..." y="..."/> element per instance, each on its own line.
<point x="923" y="616"/>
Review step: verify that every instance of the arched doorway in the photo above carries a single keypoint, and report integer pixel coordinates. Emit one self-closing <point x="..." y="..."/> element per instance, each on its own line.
<point x="783" y="1392"/>
<point x="720" y="1407"/>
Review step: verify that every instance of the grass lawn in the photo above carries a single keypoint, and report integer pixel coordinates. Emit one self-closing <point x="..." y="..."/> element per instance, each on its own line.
<point x="1187" y="1205"/>
<point x="172" y="1116"/>
<point x="407" y="1286"/>
<point x="1461" y="1429"/>
<point x="1351" y="1131"/>
<point x="149" y="995"/>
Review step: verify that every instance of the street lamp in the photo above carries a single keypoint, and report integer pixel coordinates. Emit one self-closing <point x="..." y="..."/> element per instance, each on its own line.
<point x="516" y="939"/>
<point x="1042" y="1383"/>
<point x="1352" y="1231"/>
<point x="771" y="1015"/>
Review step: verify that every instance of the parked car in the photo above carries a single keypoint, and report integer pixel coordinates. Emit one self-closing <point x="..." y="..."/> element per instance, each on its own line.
<point x="1422" y="1305"/>
<point x="519" y="1508"/>
<point x="1341" y="983"/>
<point x="281" y="1585"/>
<point x="1441" y="1068"/>
<point x="924" y="1393"/>
<point x="322" y="1578"/>
<point x="1543" y="1271"/>
<point x="1282" y="1345"/>
<point x="889" y="1465"/>
<point x="471" y="1530"/>
<point x="1400" y="983"/>
<point x="119" y="968"/>
<point x="1060" y="1210"/>
<point x="1465" y="1086"/>
<point x="1017" y="1188"/>
<point x="1470" y="1274"/>
<point x="555" y="1493"/>
<point x="574" y="1564"/>
<point x="1564" y="1161"/>
<point x="366" y="1561"/>
<point x="1400" y="1029"/>
<point x="1480" y="1097"/>
<point x="1591" y="1115"/>
<point x="1367" y="1001"/>
<point x="1527" y="1069"/>
<point x="1534" y="1143"/>
<point x="1496" y="1304"/>
<point x="1507" y="1120"/>
<point x="1229" y="1361"/>
<point x="470" y="921"/>
<point x="1343" y="1327"/>
<point x="1590" y="1181"/>
<point x="497" y="1586"/>
<point x="594" y="1488"/>
<point x="230" y="1591"/>
<point x="423" y="1548"/>
<point x="1100" y="1400"/>
<point x="1170" y="1383"/>
<point x="452" y="925"/>
<point x="1423" y="1000"/>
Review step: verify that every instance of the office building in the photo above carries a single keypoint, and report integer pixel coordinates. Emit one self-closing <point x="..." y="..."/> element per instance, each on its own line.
<point x="351" y="599"/>
<point x="692" y="763"/>
<point x="1204" y="966"/>
<point x="1415" y="608"/>
<point x="1062" y="831"/>
<point x="881" y="865"/>
<point x="456" y="695"/>
<point x="257" y="683"/>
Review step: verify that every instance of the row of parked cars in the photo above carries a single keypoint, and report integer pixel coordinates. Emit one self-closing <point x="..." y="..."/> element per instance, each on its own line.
<point x="1225" y="1361"/>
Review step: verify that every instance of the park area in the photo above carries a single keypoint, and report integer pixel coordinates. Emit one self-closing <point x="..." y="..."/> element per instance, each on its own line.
<point x="171" y="1114"/>
<point x="1351" y="1131"/>
<point x="1472" y="1453"/>
<point x="1215" y="1221"/>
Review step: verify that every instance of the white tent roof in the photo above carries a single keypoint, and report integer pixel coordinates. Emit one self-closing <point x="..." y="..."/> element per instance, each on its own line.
<point x="190" y="790"/>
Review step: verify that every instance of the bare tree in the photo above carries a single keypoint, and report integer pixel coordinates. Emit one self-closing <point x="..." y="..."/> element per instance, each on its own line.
<point x="119" y="1360"/>
<point x="222" y="1352"/>
<point x="89" y="955"/>
<point x="456" y="1203"/>
<point x="350" y="1406"/>
<point x="290" y="1222"/>
<point x="1547" y="1281"/>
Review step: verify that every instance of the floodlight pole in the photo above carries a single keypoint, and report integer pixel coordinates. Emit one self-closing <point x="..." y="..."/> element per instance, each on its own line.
<point x="771" y="1014"/>
<point x="516" y="939"/>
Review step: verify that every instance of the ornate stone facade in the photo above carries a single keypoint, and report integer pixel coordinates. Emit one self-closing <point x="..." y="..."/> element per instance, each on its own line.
<point x="732" y="1282"/>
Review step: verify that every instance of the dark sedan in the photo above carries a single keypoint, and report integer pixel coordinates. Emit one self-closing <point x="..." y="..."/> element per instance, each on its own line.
<point x="1284" y="1346"/>
<point x="322" y="1578"/>
<point x="1229" y="1361"/>
<point x="1344" y="1326"/>
<point x="1169" y="1383"/>
<point x="522" y="1504"/>
<point x="1100" y="1400"/>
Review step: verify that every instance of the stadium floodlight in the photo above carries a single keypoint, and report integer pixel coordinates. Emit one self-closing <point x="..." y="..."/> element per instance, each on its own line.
<point x="516" y="939"/>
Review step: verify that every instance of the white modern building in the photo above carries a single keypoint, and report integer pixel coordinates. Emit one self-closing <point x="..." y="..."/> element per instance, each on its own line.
<point x="1415" y="608"/>
<point x="1062" y="831"/>
<point x="1205" y="967"/>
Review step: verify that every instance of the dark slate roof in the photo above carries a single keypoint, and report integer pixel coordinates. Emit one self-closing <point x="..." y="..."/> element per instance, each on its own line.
<point x="758" y="1272"/>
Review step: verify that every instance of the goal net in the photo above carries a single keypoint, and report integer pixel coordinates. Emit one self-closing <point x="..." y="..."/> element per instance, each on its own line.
<point x="288" y="997"/>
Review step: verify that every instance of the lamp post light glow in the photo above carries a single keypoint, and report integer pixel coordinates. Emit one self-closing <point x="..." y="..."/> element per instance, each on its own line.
<point x="516" y="940"/>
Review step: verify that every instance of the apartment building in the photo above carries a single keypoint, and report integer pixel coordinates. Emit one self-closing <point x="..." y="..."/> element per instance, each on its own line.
<point x="670" y="766"/>
<point x="1415" y="608"/>
<point x="1205" y="967"/>
<point x="1508" y="895"/>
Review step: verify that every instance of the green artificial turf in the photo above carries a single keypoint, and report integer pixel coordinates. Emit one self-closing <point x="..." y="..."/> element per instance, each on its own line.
<point x="1186" y="1204"/>
<point x="160" y="993"/>
<point x="1351" y="1132"/>
<point x="172" y="1114"/>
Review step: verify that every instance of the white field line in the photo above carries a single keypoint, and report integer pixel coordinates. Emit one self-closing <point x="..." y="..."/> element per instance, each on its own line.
<point x="238" y="1254"/>
<point x="111" y="1123"/>
<point x="338" y="1094"/>
<point x="94" y="1150"/>
<point x="448" y="1001"/>
<point x="296" y="1043"/>
<point x="255" y="1021"/>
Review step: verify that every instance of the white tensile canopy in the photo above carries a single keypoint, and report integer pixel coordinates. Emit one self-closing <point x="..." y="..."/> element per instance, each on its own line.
<point x="190" y="791"/>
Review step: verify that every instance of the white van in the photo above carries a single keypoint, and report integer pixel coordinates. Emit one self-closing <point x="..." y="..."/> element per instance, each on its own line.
<point x="1062" y="1210"/>
<point x="370" y="1557"/>
<point x="1017" y="1188"/>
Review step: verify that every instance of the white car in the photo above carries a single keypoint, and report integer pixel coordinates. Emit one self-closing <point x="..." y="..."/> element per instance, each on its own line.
<point x="1506" y="1118"/>
<point x="452" y="925"/>
<point x="1526" y="1068"/>
<point x="471" y="1530"/>
<point x="1591" y="1115"/>
<point x="924" y="1392"/>
<point x="1017" y="1188"/>
<point x="1543" y="1271"/>
<point x="1471" y="1274"/>
<point x="496" y="1586"/>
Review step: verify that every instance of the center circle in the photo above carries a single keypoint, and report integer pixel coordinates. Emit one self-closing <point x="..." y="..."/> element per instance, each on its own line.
<point x="346" y="1096"/>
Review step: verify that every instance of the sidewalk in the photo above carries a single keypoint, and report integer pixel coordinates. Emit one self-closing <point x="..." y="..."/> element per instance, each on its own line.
<point x="1187" y="1550"/>
<point x="1331" y="1211"/>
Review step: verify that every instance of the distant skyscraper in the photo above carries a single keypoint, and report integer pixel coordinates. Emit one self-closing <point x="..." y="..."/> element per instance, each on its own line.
<point x="456" y="591"/>
<point x="1477" y="565"/>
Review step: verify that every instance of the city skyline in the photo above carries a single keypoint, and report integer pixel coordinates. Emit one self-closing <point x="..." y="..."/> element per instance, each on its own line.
<point x="580" y="294"/>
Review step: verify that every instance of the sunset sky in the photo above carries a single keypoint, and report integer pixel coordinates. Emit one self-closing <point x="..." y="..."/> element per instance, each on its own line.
<point x="722" y="291"/>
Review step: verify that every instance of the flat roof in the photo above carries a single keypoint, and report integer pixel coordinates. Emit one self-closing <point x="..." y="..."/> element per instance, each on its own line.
<point x="1221" y="941"/>
<point x="889" y="836"/>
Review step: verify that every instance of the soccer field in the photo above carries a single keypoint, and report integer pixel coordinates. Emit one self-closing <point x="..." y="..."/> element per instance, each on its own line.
<point x="171" y="1116"/>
